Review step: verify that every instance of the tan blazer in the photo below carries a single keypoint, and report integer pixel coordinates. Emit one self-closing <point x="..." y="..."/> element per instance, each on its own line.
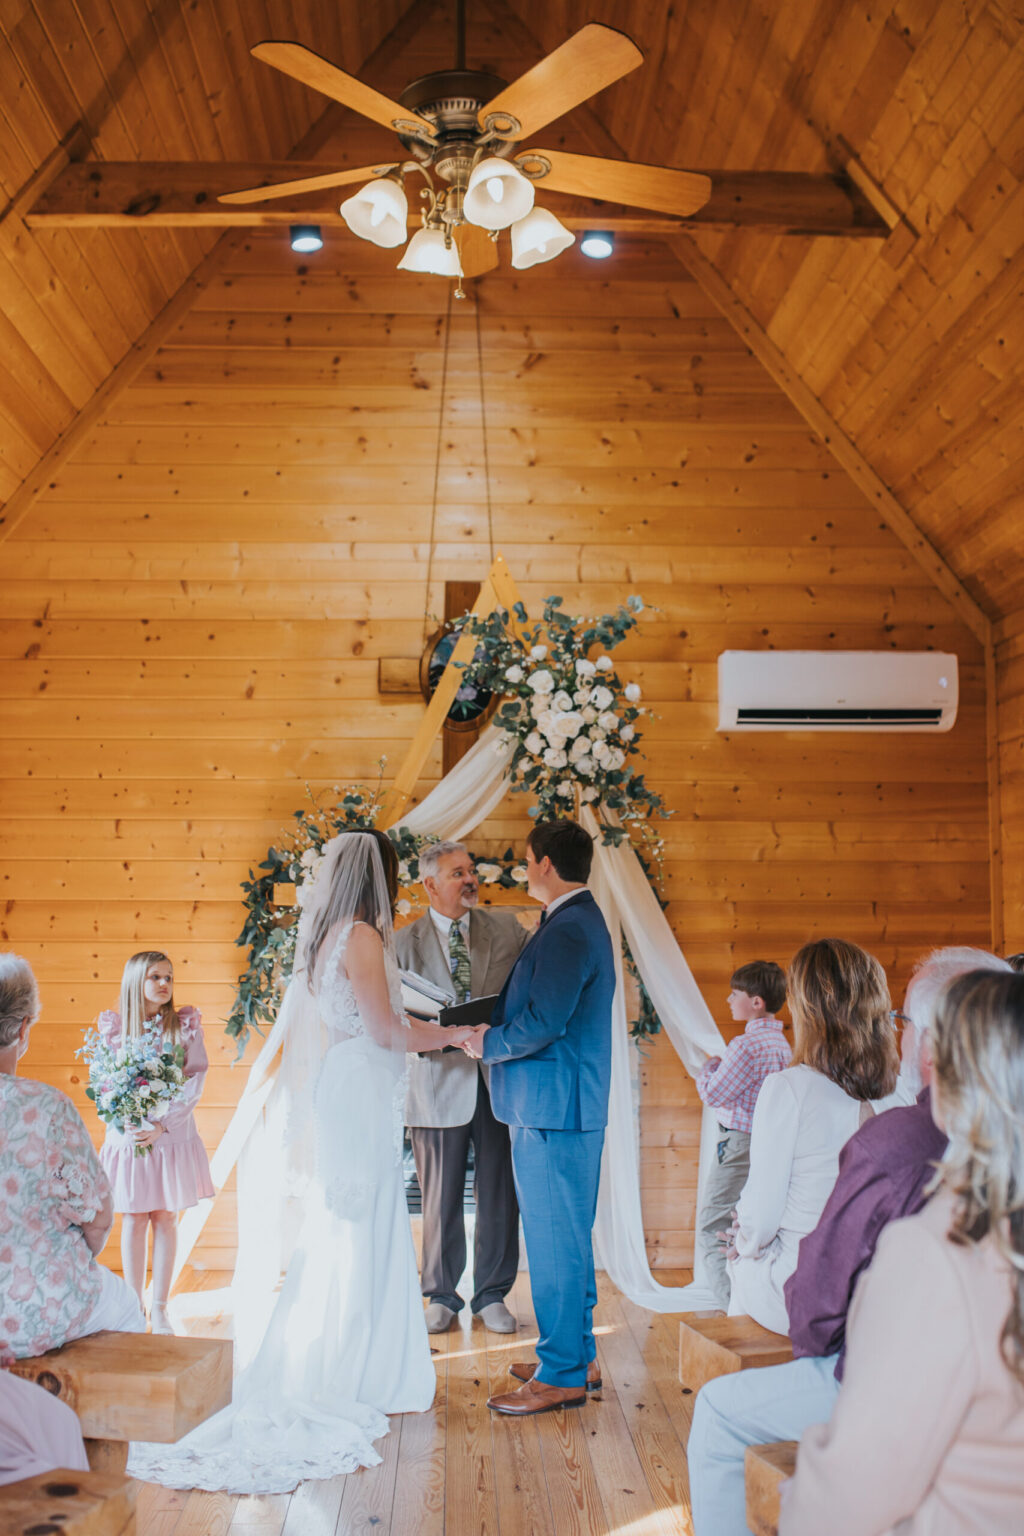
<point x="927" y="1434"/>
<point x="442" y="1087"/>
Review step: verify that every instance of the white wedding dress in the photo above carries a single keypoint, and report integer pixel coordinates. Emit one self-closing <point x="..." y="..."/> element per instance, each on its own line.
<point x="346" y="1342"/>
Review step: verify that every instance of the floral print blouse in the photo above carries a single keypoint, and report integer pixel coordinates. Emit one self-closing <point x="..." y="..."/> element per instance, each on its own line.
<point x="51" y="1183"/>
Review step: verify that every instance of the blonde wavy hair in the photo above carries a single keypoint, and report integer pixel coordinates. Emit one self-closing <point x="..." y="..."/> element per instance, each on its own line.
<point x="978" y="1051"/>
<point x="133" y="998"/>
<point x="839" y="999"/>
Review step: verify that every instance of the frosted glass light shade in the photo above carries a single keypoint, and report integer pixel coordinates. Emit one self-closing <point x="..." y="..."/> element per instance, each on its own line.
<point x="427" y="252"/>
<point x="497" y="195"/>
<point x="539" y="237"/>
<point x="378" y="212"/>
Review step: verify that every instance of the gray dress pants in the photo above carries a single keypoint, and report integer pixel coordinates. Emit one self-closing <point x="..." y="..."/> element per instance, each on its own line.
<point x="441" y="1155"/>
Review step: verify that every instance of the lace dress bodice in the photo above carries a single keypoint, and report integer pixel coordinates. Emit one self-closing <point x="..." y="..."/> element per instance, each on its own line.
<point x="336" y="996"/>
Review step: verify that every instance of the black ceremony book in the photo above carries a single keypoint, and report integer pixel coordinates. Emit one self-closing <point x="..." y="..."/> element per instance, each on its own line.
<point x="460" y="1015"/>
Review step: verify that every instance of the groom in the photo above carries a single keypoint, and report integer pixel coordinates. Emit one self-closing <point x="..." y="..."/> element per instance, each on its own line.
<point x="549" y="1051"/>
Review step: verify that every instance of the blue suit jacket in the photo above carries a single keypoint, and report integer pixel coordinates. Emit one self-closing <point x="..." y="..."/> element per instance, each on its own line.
<point x="550" y="1042"/>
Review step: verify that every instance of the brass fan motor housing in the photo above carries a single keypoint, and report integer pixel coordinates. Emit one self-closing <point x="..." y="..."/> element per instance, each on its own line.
<point x="451" y="99"/>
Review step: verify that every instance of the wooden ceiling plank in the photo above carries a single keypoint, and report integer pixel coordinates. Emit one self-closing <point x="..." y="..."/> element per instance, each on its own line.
<point x="856" y="466"/>
<point x="234" y="133"/>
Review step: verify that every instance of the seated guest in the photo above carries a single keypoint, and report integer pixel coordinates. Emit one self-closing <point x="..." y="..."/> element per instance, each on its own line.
<point x="927" y="1432"/>
<point x="845" y="1056"/>
<point x="1016" y="962"/>
<point x="56" y="1209"/>
<point x="730" y="1085"/>
<point x="884" y="1170"/>
<point x="38" y="1433"/>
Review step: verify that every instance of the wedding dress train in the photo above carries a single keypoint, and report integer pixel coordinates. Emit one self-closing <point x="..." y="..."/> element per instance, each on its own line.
<point x="346" y="1343"/>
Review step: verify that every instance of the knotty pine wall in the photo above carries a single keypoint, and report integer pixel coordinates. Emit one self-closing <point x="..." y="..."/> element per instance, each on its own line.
<point x="195" y="610"/>
<point x="1010" y="715"/>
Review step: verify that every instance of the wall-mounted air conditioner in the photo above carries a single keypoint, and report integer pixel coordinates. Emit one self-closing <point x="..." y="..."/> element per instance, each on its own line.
<point x="837" y="691"/>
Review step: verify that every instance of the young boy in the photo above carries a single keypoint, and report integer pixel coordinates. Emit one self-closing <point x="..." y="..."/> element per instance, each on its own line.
<point x="730" y="1084"/>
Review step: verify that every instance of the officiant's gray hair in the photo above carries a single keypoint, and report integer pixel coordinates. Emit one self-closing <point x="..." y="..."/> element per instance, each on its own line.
<point x="430" y="858"/>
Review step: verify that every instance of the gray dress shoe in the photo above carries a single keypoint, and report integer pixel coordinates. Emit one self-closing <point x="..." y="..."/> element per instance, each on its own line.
<point x="497" y="1318"/>
<point x="439" y="1317"/>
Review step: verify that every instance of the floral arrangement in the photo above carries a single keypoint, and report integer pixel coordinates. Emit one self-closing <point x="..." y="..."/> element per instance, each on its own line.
<point x="576" y="725"/>
<point x="135" y="1083"/>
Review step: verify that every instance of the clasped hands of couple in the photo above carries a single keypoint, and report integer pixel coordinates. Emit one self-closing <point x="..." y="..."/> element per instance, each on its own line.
<point x="470" y="1040"/>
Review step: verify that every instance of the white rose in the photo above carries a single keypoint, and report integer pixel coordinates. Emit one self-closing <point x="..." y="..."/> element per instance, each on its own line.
<point x="533" y="744"/>
<point x="562" y="700"/>
<point x="555" y="758"/>
<point x="627" y="733"/>
<point x="541" y="681"/>
<point x="585" y="668"/>
<point x="403" y="874"/>
<point x="633" y="692"/>
<point x="589" y="715"/>
<point x="488" y="872"/>
<point x="597" y="734"/>
<point x="310" y="858"/>
<point x="602" y="752"/>
<point x="579" y="748"/>
<point x="403" y="907"/>
<point x="581" y="696"/>
<point x="617" y="759"/>
<point x="603" y="663"/>
<point x="538" y="704"/>
<point x="601" y="697"/>
<point x="571" y="724"/>
<point x="514" y="674"/>
<point x="607" y="721"/>
<point x="590" y="793"/>
<point x="519" y="875"/>
<point x="565" y="790"/>
<point x="538" y="652"/>
<point x="587" y="766"/>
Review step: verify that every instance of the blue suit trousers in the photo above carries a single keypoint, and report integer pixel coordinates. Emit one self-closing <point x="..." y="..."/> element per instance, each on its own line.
<point x="557" y="1174"/>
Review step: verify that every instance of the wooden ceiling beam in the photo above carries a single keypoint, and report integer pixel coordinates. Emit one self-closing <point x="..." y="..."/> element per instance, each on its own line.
<point x="183" y="194"/>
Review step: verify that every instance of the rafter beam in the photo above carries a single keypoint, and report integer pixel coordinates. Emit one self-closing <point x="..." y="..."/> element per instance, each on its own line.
<point x="183" y="194"/>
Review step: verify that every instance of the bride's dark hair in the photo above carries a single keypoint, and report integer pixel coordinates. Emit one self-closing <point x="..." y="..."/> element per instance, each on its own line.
<point x="369" y="902"/>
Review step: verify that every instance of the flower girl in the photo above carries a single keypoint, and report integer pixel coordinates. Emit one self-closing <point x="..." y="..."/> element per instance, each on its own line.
<point x="161" y="1168"/>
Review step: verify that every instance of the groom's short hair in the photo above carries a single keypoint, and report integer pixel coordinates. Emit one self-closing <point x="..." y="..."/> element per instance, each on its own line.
<point x="566" y="844"/>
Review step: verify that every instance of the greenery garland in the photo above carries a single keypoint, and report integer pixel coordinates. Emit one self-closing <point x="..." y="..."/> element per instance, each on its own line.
<point x="572" y="722"/>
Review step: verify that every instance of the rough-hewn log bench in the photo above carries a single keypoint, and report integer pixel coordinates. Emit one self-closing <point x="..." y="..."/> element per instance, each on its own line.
<point x="72" y="1503"/>
<point x="767" y="1466"/>
<point x="134" y="1386"/>
<point x="711" y="1344"/>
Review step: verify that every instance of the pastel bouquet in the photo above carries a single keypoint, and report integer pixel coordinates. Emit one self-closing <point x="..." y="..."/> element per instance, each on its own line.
<point x="134" y="1084"/>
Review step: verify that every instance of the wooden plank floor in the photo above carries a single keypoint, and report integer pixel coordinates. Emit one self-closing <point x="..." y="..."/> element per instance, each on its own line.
<point x="618" y="1465"/>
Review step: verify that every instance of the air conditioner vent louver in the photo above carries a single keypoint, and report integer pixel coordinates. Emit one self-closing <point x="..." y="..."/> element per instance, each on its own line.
<point x="837" y="691"/>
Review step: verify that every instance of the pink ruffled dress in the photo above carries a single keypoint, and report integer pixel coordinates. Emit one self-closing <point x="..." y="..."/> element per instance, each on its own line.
<point x="176" y="1173"/>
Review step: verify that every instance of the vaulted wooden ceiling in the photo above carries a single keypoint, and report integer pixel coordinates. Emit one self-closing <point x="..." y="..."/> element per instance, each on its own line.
<point x="913" y="344"/>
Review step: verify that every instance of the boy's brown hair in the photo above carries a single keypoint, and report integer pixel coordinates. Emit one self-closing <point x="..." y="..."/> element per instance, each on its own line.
<point x="763" y="979"/>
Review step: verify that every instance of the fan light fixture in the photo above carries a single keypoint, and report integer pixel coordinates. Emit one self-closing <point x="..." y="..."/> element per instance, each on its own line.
<point x="597" y="243"/>
<point x="306" y="237"/>
<point x="427" y="252"/>
<point x="378" y="212"/>
<point x="497" y="195"/>
<point x="538" y="237"/>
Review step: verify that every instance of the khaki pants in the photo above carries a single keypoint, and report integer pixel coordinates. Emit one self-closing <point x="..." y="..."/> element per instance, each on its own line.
<point x="728" y="1175"/>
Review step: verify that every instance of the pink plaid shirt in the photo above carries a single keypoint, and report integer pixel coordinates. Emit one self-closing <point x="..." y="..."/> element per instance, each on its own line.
<point x="731" y="1083"/>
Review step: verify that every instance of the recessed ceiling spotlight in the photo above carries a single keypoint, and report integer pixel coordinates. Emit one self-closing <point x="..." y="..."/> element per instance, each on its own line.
<point x="597" y="243"/>
<point x="306" y="237"/>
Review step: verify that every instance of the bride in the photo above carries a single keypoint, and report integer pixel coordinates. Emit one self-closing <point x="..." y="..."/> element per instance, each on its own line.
<point x="321" y="1197"/>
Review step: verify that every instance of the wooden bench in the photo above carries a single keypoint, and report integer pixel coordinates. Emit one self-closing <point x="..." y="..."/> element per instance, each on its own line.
<point x="71" y="1503"/>
<point x="134" y="1386"/>
<point x="711" y="1344"/>
<point x="767" y="1466"/>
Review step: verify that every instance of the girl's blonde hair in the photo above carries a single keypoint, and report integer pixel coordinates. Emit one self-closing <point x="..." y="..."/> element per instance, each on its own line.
<point x="133" y="998"/>
<point x="839" y="999"/>
<point x="978" y="1052"/>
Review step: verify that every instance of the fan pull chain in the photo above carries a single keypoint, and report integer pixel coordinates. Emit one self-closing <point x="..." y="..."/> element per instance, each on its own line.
<point x="427" y="628"/>
<point x="483" y="431"/>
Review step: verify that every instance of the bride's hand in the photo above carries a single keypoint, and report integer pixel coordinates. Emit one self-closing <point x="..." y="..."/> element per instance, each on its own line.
<point x="457" y="1036"/>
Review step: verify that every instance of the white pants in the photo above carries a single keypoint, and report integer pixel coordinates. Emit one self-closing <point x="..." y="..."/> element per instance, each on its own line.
<point x="117" y="1309"/>
<point x="753" y="1407"/>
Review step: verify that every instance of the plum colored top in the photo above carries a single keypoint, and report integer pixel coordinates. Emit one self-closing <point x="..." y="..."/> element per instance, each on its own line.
<point x="883" y="1171"/>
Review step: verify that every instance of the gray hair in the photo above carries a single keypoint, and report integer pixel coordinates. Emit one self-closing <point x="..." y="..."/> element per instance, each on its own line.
<point x="19" y="997"/>
<point x="430" y="858"/>
<point x="927" y="985"/>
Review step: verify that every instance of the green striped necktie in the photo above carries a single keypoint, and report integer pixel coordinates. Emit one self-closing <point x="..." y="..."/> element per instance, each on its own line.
<point x="460" y="963"/>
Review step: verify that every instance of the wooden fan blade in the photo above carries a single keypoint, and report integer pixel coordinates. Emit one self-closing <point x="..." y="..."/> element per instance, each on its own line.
<point x="592" y="58"/>
<point x="305" y="184"/>
<point x="478" y="253"/>
<point x="303" y="64"/>
<point x="617" y="181"/>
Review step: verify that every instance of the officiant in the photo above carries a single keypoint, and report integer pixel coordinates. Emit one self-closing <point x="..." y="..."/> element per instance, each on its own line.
<point x="470" y="951"/>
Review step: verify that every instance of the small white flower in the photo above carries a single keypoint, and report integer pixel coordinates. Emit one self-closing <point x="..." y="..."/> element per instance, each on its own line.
<point x="403" y="873"/>
<point x="607" y="721"/>
<point x="627" y="733"/>
<point x="617" y="758"/>
<point x="519" y="875"/>
<point x="538" y="652"/>
<point x="533" y="744"/>
<point x="589" y="715"/>
<point x="514" y="674"/>
<point x="310" y="858"/>
<point x="603" y="663"/>
<point x="585" y="668"/>
<point x="562" y="700"/>
<point x="590" y="793"/>
<point x="403" y="907"/>
<point x="587" y="766"/>
<point x="541" y="681"/>
<point x="555" y="758"/>
<point x="566" y="791"/>
<point x="601" y="697"/>
<point x="633" y="692"/>
<point x="581" y="696"/>
<point x="488" y="872"/>
<point x="596" y="733"/>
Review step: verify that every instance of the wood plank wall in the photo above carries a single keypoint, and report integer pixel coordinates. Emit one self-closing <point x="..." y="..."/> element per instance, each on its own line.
<point x="195" y="610"/>
<point x="1010" y="695"/>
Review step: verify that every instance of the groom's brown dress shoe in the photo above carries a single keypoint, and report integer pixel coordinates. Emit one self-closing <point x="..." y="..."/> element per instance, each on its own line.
<point x="525" y="1370"/>
<point x="537" y="1397"/>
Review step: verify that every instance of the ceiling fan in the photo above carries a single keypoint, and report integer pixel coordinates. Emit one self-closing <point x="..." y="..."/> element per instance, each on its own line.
<point x="466" y="126"/>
